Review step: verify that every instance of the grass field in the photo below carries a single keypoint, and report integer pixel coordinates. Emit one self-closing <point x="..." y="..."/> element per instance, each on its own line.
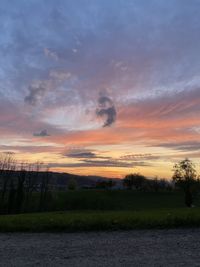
<point x="105" y="200"/>
<point x="114" y="200"/>
<point x="72" y="221"/>
<point x="106" y="210"/>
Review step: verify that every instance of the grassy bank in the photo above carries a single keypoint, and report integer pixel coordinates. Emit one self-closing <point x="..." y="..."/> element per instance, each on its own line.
<point x="100" y="220"/>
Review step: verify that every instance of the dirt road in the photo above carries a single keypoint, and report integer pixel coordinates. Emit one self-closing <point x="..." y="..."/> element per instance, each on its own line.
<point x="132" y="248"/>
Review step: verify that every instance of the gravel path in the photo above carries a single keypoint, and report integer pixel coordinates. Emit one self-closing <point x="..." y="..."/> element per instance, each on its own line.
<point x="131" y="248"/>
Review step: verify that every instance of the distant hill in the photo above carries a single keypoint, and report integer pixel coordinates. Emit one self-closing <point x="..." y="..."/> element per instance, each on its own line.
<point x="61" y="179"/>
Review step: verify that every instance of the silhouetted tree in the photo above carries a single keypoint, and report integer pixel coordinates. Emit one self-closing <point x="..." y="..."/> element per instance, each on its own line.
<point x="7" y="166"/>
<point x="185" y="177"/>
<point x="11" y="197"/>
<point x="20" y="188"/>
<point x="105" y="184"/>
<point x="111" y="183"/>
<point x="72" y="184"/>
<point x="44" y="189"/>
<point x="155" y="184"/>
<point x="135" y="181"/>
<point x="32" y="181"/>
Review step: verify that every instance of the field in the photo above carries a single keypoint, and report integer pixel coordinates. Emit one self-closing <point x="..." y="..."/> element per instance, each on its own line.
<point x="111" y="200"/>
<point x="106" y="210"/>
<point x="100" y="220"/>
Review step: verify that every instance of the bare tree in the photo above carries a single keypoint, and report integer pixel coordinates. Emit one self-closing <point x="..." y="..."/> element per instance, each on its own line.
<point x="7" y="167"/>
<point x="20" y="187"/>
<point x="11" y="197"/>
<point x="44" y="189"/>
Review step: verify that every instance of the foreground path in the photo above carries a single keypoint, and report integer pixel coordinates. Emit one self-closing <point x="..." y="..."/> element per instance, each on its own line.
<point x="132" y="248"/>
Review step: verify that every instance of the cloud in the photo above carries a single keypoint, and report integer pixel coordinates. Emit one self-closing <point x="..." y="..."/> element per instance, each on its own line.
<point x="182" y="146"/>
<point x="83" y="153"/>
<point x="50" y="54"/>
<point x="35" y="94"/>
<point x="52" y="82"/>
<point x="153" y="58"/>
<point x="100" y="163"/>
<point x="147" y="122"/>
<point x="34" y="149"/>
<point x="60" y="76"/>
<point x="139" y="157"/>
<point x="107" y="163"/>
<point x="8" y="152"/>
<point x="106" y="109"/>
<point x="43" y="133"/>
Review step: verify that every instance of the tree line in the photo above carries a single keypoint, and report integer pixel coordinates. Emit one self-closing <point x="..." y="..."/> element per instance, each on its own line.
<point x="19" y="181"/>
<point x="184" y="177"/>
<point x="139" y="182"/>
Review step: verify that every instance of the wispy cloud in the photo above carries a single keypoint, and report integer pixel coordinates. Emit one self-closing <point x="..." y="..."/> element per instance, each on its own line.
<point x="135" y="157"/>
<point x="83" y="154"/>
<point x="50" y="54"/>
<point x="182" y="146"/>
<point x="100" y="163"/>
<point x="42" y="133"/>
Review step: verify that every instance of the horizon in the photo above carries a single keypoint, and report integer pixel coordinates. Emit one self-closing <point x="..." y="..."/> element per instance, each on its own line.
<point x="102" y="88"/>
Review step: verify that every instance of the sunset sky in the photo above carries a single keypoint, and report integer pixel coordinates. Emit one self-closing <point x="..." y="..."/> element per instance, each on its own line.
<point x="103" y="87"/>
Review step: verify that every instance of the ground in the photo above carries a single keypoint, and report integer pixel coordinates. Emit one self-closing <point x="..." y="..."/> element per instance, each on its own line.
<point x="175" y="247"/>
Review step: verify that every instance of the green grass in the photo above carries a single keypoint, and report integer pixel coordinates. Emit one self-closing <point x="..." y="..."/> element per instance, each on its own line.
<point x="100" y="220"/>
<point x="107" y="200"/>
<point x="92" y="210"/>
<point x="114" y="200"/>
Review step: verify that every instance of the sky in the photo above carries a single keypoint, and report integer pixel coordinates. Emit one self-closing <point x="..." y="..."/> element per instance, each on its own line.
<point x="100" y="87"/>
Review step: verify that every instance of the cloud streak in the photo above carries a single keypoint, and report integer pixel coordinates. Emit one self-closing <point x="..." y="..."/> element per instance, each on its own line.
<point x="42" y="133"/>
<point x="100" y="163"/>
